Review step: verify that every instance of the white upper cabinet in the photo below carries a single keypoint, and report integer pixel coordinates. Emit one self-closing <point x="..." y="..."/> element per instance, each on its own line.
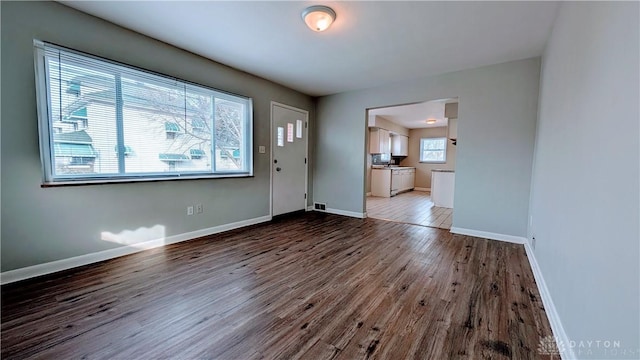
<point x="399" y="145"/>
<point x="378" y="141"/>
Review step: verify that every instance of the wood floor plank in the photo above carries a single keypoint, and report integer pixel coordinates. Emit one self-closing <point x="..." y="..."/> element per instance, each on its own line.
<point x="413" y="207"/>
<point x="312" y="286"/>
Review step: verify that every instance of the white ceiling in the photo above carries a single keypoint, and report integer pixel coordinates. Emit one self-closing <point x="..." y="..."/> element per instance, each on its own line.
<point x="414" y="116"/>
<point x="371" y="43"/>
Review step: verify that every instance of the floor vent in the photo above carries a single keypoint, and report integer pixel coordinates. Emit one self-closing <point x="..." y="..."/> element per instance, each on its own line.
<point x="319" y="206"/>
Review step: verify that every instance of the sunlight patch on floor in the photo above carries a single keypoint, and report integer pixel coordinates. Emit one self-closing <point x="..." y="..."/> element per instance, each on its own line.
<point x="142" y="238"/>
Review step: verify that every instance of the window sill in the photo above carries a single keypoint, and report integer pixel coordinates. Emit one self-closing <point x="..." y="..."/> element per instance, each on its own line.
<point x="139" y="180"/>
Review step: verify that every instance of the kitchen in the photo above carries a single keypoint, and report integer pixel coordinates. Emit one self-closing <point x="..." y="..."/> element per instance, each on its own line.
<point x="411" y="162"/>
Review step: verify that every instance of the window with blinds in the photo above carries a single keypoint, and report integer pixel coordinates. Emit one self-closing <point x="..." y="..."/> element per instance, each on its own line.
<point x="433" y="150"/>
<point x="101" y="121"/>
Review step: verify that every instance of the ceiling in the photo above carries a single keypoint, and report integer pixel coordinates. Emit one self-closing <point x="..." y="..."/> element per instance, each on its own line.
<point x="371" y="43"/>
<point x="414" y="116"/>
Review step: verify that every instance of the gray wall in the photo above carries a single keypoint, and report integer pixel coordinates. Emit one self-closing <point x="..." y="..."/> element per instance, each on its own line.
<point x="585" y="196"/>
<point x="46" y="224"/>
<point x="423" y="170"/>
<point x="496" y="129"/>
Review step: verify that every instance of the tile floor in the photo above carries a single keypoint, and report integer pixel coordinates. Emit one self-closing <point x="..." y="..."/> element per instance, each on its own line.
<point x="413" y="207"/>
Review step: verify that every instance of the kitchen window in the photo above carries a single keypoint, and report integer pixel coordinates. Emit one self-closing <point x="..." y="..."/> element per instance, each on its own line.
<point x="433" y="150"/>
<point x="89" y="106"/>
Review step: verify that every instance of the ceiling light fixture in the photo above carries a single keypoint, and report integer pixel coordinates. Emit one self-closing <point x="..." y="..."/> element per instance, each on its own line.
<point x="431" y="121"/>
<point x="318" y="18"/>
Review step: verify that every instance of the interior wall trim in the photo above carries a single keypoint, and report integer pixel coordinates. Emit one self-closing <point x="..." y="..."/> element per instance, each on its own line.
<point x="69" y="263"/>
<point x="562" y="340"/>
<point x="346" y="213"/>
<point x="489" y="235"/>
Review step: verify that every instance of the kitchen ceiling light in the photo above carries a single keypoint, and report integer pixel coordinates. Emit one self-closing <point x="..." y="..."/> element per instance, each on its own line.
<point x="318" y="18"/>
<point x="431" y="121"/>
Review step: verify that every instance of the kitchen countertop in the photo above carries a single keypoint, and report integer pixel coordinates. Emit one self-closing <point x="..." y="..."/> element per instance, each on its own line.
<point x="394" y="168"/>
<point x="443" y="170"/>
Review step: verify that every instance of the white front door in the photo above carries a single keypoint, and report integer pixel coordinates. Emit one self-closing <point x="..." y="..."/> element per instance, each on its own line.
<point x="288" y="159"/>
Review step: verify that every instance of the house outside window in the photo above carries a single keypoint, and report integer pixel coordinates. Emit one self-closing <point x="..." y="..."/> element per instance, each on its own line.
<point x="433" y="150"/>
<point x="198" y="125"/>
<point x="167" y="121"/>
<point x="74" y="152"/>
<point x="172" y="129"/>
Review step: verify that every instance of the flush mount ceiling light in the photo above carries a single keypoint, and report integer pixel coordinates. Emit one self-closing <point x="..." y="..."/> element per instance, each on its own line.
<point x="318" y="18"/>
<point x="431" y="121"/>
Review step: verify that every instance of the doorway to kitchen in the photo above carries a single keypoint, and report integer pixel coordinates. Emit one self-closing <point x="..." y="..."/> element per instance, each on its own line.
<point x="411" y="151"/>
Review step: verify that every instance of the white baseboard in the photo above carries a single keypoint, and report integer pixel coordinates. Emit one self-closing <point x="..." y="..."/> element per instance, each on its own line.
<point x="65" y="264"/>
<point x="340" y="212"/>
<point x="552" y="314"/>
<point x="489" y="235"/>
<point x="347" y="213"/>
<point x="421" y="189"/>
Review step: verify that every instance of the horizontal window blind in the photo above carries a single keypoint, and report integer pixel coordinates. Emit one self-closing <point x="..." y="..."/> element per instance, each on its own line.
<point x="433" y="150"/>
<point x="102" y="120"/>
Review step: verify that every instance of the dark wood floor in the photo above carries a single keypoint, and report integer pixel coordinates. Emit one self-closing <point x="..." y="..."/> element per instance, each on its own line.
<point x="315" y="286"/>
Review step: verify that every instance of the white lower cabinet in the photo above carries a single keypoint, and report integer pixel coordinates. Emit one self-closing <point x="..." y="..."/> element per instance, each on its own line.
<point x="389" y="182"/>
<point x="381" y="182"/>
<point x="442" y="185"/>
<point x="408" y="179"/>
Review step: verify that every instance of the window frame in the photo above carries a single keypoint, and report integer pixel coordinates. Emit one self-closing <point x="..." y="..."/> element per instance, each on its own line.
<point x="46" y="129"/>
<point x="444" y="150"/>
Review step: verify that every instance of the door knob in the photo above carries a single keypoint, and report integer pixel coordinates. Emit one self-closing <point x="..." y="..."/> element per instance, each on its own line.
<point x="278" y="169"/>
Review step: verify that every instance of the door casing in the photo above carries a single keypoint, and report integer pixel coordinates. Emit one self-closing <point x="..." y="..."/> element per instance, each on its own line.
<point x="271" y="147"/>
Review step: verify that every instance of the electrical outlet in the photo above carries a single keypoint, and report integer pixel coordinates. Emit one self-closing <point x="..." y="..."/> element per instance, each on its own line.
<point x="189" y="210"/>
<point x="262" y="149"/>
<point x="199" y="209"/>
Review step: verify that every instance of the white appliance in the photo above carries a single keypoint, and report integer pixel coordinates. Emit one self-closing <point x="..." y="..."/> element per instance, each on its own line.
<point x="395" y="182"/>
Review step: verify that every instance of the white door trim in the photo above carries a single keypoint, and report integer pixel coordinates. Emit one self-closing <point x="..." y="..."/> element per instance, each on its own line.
<point x="306" y="153"/>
